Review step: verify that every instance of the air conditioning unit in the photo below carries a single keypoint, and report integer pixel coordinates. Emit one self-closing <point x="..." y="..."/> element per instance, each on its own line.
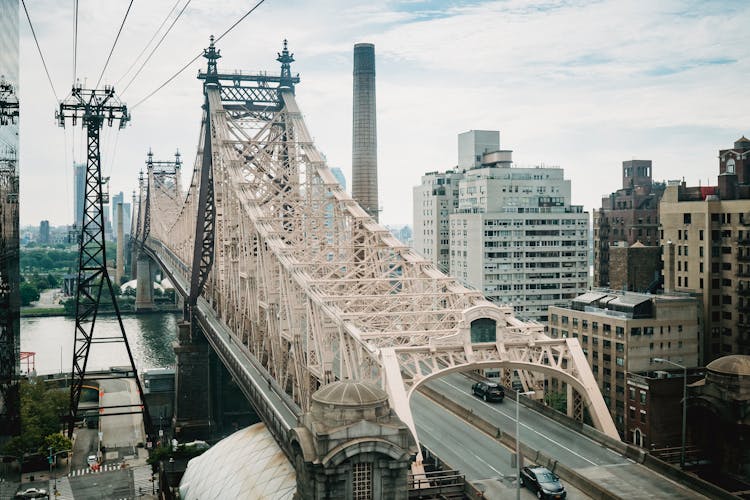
<point x="661" y="374"/>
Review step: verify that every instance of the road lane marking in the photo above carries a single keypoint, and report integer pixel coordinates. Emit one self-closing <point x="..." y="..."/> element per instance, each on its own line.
<point x="529" y="428"/>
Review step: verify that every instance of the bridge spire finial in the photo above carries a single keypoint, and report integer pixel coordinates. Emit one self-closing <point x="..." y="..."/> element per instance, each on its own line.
<point x="286" y="59"/>
<point x="177" y="158"/>
<point x="213" y="55"/>
<point x="149" y="158"/>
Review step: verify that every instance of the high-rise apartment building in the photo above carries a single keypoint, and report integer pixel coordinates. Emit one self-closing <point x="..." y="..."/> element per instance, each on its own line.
<point x="44" y="232"/>
<point x="434" y="200"/>
<point x="623" y="332"/>
<point x="126" y="213"/>
<point x="705" y="232"/>
<point x="79" y="192"/>
<point x="509" y="232"/>
<point x="627" y="216"/>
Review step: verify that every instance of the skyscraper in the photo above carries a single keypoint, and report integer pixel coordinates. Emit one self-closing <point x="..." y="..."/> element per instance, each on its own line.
<point x="44" y="232"/>
<point x="126" y="213"/>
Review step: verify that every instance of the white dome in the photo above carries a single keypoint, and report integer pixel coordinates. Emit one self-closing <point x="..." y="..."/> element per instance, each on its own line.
<point x="247" y="464"/>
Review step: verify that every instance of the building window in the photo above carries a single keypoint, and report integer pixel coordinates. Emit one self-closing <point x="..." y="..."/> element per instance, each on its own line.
<point x="632" y="393"/>
<point x="631" y="413"/>
<point x="643" y="397"/>
<point x="643" y="417"/>
<point x="686" y="218"/>
<point x="362" y="481"/>
<point x="620" y="361"/>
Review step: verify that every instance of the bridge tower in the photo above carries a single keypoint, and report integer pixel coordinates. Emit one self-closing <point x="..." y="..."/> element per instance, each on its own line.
<point x="93" y="108"/>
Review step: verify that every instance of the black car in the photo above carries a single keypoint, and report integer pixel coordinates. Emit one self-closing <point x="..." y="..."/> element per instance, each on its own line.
<point x="543" y="482"/>
<point x="489" y="391"/>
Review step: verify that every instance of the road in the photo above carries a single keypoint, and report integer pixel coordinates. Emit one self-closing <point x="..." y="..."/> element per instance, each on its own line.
<point x="481" y="458"/>
<point x="120" y="433"/>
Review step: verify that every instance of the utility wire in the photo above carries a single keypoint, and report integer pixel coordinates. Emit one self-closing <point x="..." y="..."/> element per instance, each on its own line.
<point x="260" y="2"/>
<point x="114" y="44"/>
<point x="155" y="47"/>
<point x="23" y="2"/>
<point x="143" y="51"/>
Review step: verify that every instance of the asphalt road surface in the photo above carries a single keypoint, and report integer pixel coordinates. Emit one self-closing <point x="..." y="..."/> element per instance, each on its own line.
<point x="480" y="457"/>
<point x="120" y="431"/>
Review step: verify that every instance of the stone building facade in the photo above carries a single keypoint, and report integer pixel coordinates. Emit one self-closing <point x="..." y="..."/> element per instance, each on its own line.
<point x="627" y="216"/>
<point x="352" y="445"/>
<point x="705" y="233"/>
<point x="623" y="332"/>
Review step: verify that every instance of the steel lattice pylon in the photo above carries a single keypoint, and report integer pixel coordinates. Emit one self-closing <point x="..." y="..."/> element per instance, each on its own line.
<point x="316" y="289"/>
<point x="93" y="108"/>
<point x="9" y="271"/>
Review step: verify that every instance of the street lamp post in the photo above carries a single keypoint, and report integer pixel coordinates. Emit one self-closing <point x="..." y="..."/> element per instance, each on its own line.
<point x="518" y="443"/>
<point x="684" y="405"/>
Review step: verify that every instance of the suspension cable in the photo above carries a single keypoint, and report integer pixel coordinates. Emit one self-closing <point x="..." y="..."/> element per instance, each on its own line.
<point x="23" y="2"/>
<point x="125" y="18"/>
<point x="169" y="80"/>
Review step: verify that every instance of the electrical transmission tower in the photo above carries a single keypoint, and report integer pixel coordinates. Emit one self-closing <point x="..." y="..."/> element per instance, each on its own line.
<point x="10" y="300"/>
<point x="94" y="108"/>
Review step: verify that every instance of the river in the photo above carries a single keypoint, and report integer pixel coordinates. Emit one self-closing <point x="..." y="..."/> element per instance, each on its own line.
<point x="150" y="337"/>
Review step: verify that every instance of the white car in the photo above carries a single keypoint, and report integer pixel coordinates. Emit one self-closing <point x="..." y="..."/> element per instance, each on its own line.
<point x="91" y="460"/>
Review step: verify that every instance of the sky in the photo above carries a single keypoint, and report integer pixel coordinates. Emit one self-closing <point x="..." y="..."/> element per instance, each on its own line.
<point x="580" y="84"/>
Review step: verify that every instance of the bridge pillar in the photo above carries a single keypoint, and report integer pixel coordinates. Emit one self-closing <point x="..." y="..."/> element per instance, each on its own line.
<point x="144" y="292"/>
<point x="192" y="408"/>
<point x="351" y="445"/>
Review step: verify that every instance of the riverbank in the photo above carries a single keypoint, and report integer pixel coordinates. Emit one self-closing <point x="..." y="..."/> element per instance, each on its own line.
<point x="45" y="312"/>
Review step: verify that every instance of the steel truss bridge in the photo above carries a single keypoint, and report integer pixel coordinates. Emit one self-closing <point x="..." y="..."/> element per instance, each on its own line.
<point x="307" y="284"/>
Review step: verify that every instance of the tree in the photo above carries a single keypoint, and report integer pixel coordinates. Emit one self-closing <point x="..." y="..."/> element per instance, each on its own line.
<point x="556" y="400"/>
<point x="58" y="442"/>
<point x="42" y="412"/>
<point x="29" y="293"/>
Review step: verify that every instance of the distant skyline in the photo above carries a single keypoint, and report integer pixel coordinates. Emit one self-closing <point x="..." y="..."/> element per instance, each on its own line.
<point x="580" y="84"/>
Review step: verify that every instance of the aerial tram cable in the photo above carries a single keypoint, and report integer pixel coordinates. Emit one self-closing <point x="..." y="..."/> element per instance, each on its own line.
<point x="200" y="54"/>
<point x="143" y="51"/>
<point x="23" y="2"/>
<point x="125" y="18"/>
<point x="143" y="65"/>
<point x="75" y="42"/>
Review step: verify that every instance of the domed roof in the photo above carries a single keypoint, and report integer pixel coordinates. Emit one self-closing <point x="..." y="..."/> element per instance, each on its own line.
<point x="350" y="393"/>
<point x="736" y="364"/>
<point x="247" y="464"/>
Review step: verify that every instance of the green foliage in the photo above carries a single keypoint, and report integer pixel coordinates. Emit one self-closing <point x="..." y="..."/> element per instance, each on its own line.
<point x="48" y="259"/>
<point x="556" y="400"/>
<point x="42" y="413"/>
<point x="58" y="442"/>
<point x="29" y="293"/>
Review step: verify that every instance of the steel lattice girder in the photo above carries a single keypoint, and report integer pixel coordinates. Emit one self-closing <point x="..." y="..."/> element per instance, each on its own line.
<point x="317" y="289"/>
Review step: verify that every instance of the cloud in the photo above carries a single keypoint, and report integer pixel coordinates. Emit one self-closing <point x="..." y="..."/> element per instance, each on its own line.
<point x="580" y="84"/>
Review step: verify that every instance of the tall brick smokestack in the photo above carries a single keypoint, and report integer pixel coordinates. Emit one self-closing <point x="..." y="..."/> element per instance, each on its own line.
<point x="364" y="131"/>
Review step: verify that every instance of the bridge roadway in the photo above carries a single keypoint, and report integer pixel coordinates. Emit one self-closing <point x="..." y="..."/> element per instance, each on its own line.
<point x="455" y="441"/>
<point x="482" y="458"/>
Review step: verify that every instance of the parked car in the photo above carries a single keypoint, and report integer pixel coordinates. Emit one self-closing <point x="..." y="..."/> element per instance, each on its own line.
<point x="92" y="461"/>
<point x="32" y="493"/>
<point x="544" y="483"/>
<point x="489" y="391"/>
